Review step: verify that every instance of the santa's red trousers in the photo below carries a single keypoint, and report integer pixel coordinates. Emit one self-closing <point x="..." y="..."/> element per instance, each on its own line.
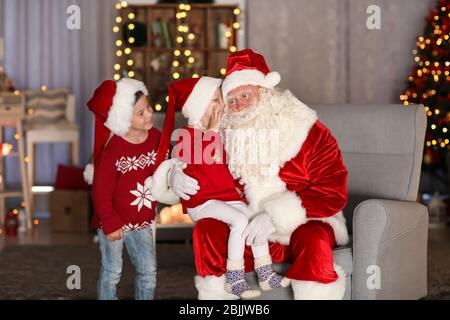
<point x="310" y="251"/>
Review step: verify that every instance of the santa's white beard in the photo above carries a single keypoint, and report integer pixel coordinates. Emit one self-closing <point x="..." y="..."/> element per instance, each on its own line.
<point x="253" y="137"/>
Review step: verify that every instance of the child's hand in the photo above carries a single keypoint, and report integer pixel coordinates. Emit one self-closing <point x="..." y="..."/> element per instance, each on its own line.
<point x="214" y="121"/>
<point x="116" y="235"/>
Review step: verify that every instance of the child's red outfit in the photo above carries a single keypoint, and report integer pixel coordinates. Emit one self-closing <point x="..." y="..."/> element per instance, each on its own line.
<point x="215" y="180"/>
<point x="121" y="199"/>
<point x="121" y="196"/>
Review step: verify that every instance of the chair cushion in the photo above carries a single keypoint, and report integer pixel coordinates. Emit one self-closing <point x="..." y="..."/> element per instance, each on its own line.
<point x="45" y="108"/>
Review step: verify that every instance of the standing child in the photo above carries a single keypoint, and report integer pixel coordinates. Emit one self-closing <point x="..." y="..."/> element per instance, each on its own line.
<point x="124" y="157"/>
<point x="199" y="146"/>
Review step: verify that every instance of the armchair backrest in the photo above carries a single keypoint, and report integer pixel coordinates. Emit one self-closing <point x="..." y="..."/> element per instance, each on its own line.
<point x="382" y="147"/>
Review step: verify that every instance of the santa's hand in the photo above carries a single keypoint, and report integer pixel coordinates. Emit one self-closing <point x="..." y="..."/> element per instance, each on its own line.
<point x="258" y="230"/>
<point x="181" y="183"/>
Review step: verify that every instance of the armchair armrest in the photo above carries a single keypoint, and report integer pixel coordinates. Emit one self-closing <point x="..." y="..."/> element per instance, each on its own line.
<point x="389" y="250"/>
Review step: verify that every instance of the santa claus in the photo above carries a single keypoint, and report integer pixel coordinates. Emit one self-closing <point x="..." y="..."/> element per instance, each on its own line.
<point x="291" y="170"/>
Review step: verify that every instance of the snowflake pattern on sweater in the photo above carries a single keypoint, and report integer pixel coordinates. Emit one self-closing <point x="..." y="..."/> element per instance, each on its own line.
<point x="121" y="199"/>
<point x="125" y="164"/>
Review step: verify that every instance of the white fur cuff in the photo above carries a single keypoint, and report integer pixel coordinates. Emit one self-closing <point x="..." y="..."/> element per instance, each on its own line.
<point x="286" y="211"/>
<point x="160" y="187"/>
<point x="313" y="290"/>
<point x="212" y="288"/>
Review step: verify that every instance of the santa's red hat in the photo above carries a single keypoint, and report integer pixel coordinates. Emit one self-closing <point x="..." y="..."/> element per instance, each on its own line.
<point x="112" y="105"/>
<point x="191" y="96"/>
<point x="247" y="67"/>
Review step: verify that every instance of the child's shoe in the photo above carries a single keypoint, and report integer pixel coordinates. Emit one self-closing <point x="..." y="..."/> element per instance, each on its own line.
<point x="267" y="278"/>
<point x="236" y="283"/>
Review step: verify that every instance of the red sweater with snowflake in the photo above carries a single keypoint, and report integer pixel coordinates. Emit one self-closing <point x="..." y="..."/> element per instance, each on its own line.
<point x="120" y="197"/>
<point x="199" y="150"/>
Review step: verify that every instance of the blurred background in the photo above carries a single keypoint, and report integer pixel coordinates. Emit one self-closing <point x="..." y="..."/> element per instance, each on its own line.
<point x="54" y="53"/>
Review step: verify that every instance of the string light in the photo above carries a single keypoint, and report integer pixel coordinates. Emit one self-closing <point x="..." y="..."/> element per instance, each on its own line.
<point x="158" y="107"/>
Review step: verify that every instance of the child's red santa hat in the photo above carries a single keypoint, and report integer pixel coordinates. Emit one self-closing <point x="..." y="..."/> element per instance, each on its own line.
<point x="247" y="67"/>
<point x="112" y="105"/>
<point x="191" y="96"/>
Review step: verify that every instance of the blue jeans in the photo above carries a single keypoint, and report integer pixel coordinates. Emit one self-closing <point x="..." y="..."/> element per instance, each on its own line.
<point x="141" y="250"/>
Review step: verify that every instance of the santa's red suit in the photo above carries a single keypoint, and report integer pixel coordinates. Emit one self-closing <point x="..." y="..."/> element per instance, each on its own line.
<point x="304" y="198"/>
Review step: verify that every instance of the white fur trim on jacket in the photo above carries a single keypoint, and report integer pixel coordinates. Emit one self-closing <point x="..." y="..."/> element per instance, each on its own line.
<point x="339" y="225"/>
<point x="212" y="288"/>
<point x="88" y="173"/>
<point x="257" y="190"/>
<point x="286" y="211"/>
<point x="249" y="77"/>
<point x="198" y="101"/>
<point x="119" y="116"/>
<point x="159" y="185"/>
<point x="313" y="290"/>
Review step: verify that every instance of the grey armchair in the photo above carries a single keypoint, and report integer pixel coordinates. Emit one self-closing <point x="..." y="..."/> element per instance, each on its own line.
<point x="382" y="147"/>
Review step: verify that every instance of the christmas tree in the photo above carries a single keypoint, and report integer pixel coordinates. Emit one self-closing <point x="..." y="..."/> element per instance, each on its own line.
<point x="429" y="84"/>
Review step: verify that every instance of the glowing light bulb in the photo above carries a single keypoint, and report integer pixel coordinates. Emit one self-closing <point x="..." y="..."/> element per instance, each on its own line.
<point x="130" y="62"/>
